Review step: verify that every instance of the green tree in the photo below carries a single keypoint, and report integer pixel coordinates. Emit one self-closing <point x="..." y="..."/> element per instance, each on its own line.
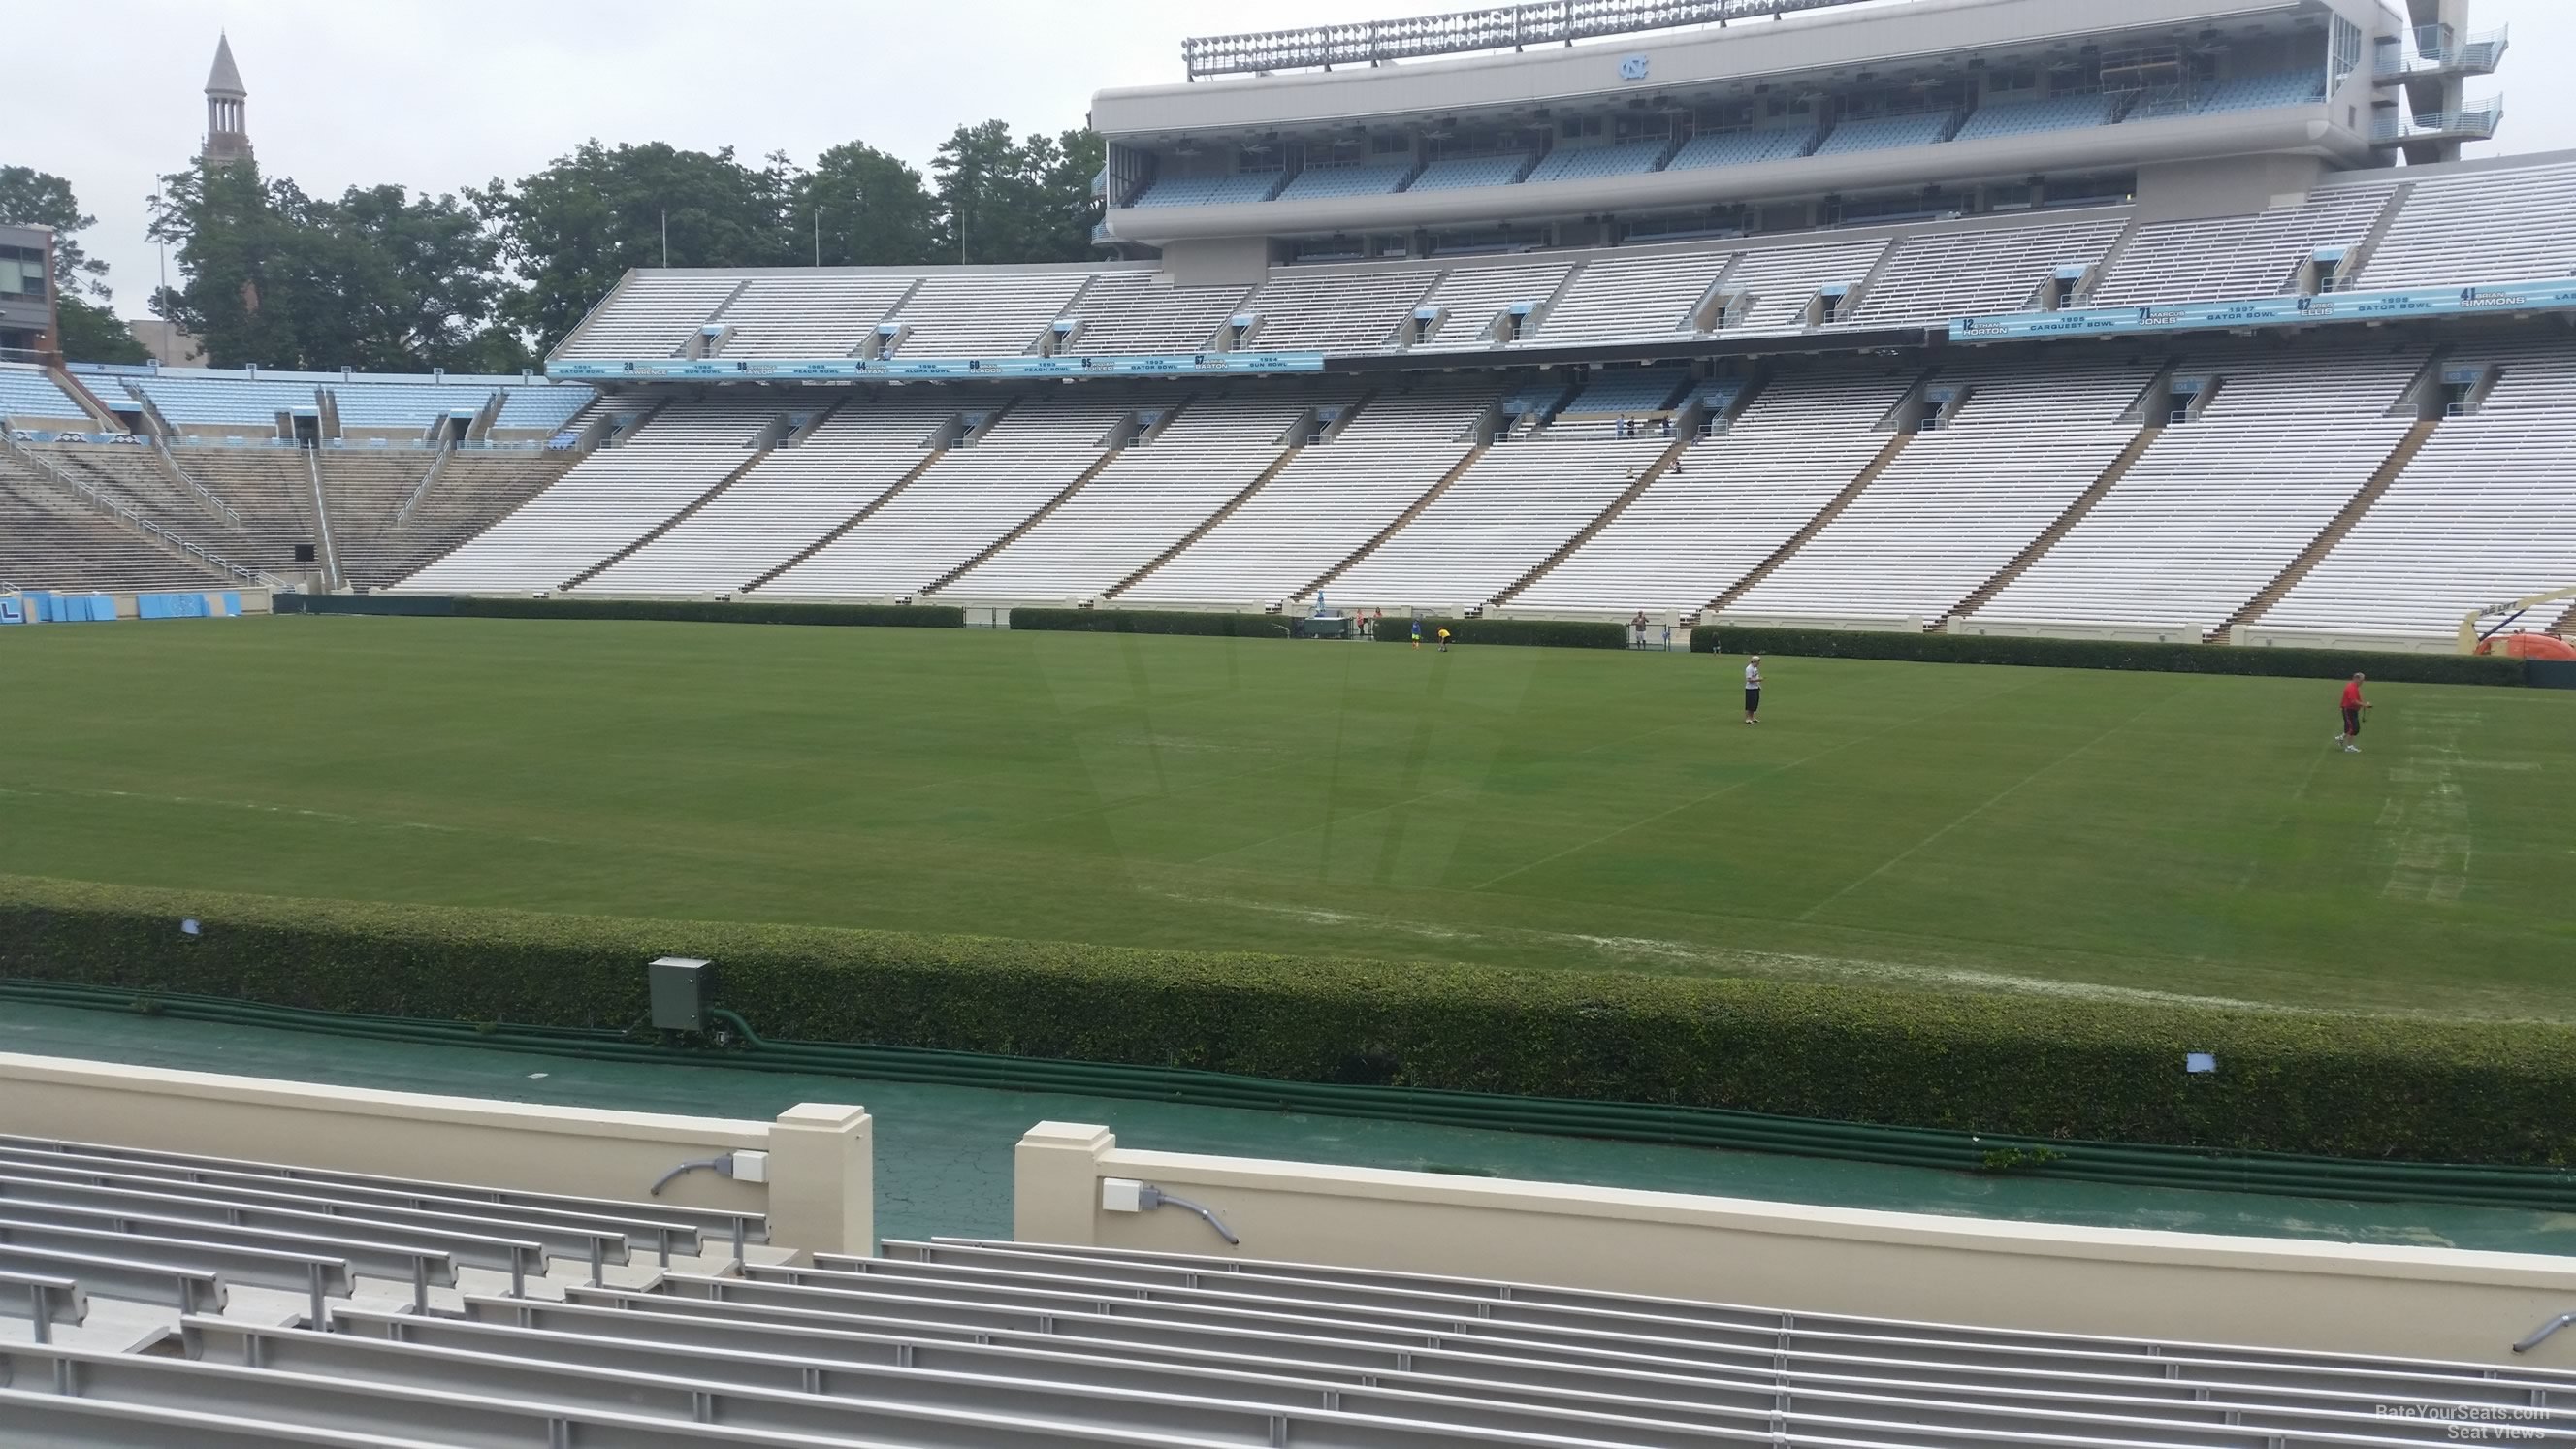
<point x="862" y="207"/>
<point x="570" y="231"/>
<point x="90" y="331"/>
<point x="379" y="279"/>
<point x="1006" y="200"/>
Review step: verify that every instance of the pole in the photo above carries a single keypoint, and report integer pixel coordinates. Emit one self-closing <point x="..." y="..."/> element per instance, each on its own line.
<point x="818" y="236"/>
<point x="666" y="236"/>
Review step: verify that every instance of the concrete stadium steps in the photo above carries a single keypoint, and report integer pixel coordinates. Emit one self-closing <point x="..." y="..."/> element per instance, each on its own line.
<point x="655" y="533"/>
<point x="49" y="539"/>
<point x="1201" y="529"/>
<point x="1412" y="511"/>
<point x="1663" y="464"/>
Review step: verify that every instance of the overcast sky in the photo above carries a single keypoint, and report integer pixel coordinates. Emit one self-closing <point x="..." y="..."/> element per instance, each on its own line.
<point x="440" y="94"/>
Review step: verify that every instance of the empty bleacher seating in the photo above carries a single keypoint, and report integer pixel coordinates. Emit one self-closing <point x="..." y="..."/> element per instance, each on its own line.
<point x="1640" y="299"/>
<point x="964" y="503"/>
<point x="2487" y="511"/>
<point x="28" y="396"/>
<point x="543" y="407"/>
<point x="1462" y="172"/>
<point x="1627" y="392"/>
<point x="1958" y="504"/>
<point x="2301" y="87"/>
<point x="651" y="314"/>
<point x="2218" y="507"/>
<point x="809" y="314"/>
<point x="1320" y="181"/>
<point x="1208" y="190"/>
<point x="2229" y="258"/>
<point x="1956" y="273"/>
<point x="1742" y="148"/>
<point x="1501" y="518"/>
<point x="1733" y="500"/>
<point x="1882" y="133"/>
<point x="1141" y="312"/>
<point x="2480" y="226"/>
<point x="1576" y="163"/>
<point x="1353" y="311"/>
<point x="1328" y="501"/>
<point x="983" y="313"/>
<point x="205" y="402"/>
<point x="1778" y="285"/>
<point x="1469" y="299"/>
<point x="50" y="539"/>
<point x="2023" y="118"/>
<point x="405" y="406"/>
<point x="789" y="499"/>
<point x="1148" y="498"/>
<point x="606" y="502"/>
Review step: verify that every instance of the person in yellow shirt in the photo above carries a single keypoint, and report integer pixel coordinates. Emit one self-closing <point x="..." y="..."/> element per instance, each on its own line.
<point x="1444" y="638"/>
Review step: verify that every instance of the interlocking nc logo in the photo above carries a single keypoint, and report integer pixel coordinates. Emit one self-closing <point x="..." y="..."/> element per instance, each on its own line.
<point x="1633" y="68"/>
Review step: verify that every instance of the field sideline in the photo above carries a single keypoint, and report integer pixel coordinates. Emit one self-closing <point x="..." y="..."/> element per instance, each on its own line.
<point x="2029" y="829"/>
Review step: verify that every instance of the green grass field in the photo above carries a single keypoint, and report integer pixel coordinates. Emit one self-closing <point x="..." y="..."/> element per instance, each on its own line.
<point x="2043" y="830"/>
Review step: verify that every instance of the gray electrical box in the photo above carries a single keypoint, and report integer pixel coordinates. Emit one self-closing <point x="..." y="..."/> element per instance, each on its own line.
<point x="681" y="986"/>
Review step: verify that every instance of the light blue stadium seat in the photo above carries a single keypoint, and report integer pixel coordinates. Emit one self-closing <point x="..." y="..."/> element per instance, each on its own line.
<point x="1741" y="148"/>
<point x="1885" y="133"/>
<point x="26" y="392"/>
<point x="187" y="400"/>
<point x="543" y="405"/>
<point x="1626" y="158"/>
<point x="2264" y="91"/>
<point x="1209" y="190"/>
<point x="2022" y="118"/>
<point x="1470" y="171"/>
<point x="1535" y="397"/>
<point x="1642" y="390"/>
<point x="1322" y="181"/>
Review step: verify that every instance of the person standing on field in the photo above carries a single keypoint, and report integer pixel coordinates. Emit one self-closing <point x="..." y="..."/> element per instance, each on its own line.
<point x="1417" y="631"/>
<point x="2354" y="707"/>
<point x="1637" y="627"/>
<point x="1753" y="689"/>
<point x="1444" y="638"/>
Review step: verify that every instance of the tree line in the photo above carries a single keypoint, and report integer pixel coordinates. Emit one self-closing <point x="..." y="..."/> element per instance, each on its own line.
<point x="385" y="279"/>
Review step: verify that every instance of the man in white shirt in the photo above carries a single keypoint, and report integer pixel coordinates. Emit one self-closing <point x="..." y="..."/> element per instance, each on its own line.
<point x="1753" y="689"/>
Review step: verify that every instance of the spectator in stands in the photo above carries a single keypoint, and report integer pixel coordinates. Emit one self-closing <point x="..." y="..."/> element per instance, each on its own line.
<point x="1753" y="689"/>
<point x="2354" y="707"/>
<point x="1637" y="627"/>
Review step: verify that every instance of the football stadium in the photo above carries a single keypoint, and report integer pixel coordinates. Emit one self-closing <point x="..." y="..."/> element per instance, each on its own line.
<point x="1638" y="722"/>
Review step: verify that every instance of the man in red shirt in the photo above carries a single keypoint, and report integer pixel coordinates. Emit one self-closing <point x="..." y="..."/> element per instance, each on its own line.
<point x="2354" y="706"/>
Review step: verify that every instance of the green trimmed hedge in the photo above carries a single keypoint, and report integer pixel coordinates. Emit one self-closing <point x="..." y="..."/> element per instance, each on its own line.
<point x="694" y="611"/>
<point x="1152" y="621"/>
<point x="1549" y="633"/>
<point x="2367" y="1087"/>
<point x="2107" y="654"/>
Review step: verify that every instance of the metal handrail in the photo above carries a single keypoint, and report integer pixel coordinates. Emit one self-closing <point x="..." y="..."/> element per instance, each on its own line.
<point x="133" y="519"/>
<point x="161" y="445"/>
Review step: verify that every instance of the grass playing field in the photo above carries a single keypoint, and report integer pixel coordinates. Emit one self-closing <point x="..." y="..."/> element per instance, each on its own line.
<point x="2048" y="830"/>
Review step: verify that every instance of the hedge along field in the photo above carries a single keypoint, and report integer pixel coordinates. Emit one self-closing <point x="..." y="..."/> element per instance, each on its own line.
<point x="2087" y="835"/>
<point x="1963" y="1060"/>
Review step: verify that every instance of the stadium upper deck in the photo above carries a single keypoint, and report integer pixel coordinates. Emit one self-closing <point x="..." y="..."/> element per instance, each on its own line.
<point x="1832" y="115"/>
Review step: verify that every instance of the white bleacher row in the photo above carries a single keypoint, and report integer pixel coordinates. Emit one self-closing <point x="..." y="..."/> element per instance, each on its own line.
<point x="1649" y="298"/>
<point x="951" y="1342"/>
<point x="1780" y="283"/>
<point x="2215" y="510"/>
<point x="1734" y="499"/>
<point x="1469" y="299"/>
<point x="1145" y="500"/>
<point x="1956" y="505"/>
<point x="28" y="393"/>
<point x="612" y="498"/>
<point x="2230" y="257"/>
<point x="966" y="314"/>
<point x="963" y="503"/>
<point x="789" y="499"/>
<point x="1511" y="509"/>
<point x="1329" y="500"/>
<point x="2502" y="225"/>
<point x="2485" y="513"/>
<point x="1141" y="313"/>
<point x="826" y="315"/>
<point x="1970" y="273"/>
<point x="2480" y="225"/>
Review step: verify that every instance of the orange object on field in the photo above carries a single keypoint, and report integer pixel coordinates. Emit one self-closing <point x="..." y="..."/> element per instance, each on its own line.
<point x="2529" y="646"/>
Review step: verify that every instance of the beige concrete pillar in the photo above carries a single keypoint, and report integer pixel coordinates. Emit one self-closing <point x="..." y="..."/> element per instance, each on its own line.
<point x="822" y="1179"/>
<point x="1055" y="1183"/>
